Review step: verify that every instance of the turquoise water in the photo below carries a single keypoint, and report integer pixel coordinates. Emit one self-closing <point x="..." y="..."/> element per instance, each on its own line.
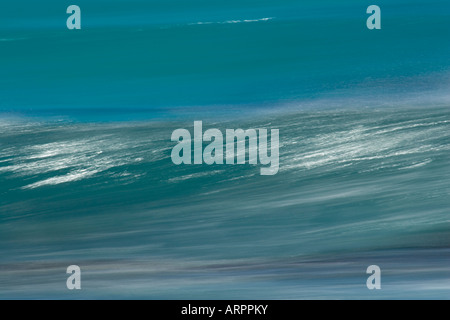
<point x="86" y="118"/>
<point x="225" y="55"/>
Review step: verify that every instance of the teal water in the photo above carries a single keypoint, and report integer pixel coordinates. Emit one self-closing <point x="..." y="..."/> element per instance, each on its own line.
<point x="355" y="188"/>
<point x="86" y="118"/>
<point x="219" y="55"/>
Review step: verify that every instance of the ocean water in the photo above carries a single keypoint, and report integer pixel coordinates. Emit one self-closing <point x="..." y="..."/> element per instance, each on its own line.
<point x="86" y="118"/>
<point x="355" y="188"/>
<point x="170" y="57"/>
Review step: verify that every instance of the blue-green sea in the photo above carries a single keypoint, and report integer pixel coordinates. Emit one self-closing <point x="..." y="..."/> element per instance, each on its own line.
<point x="86" y="118"/>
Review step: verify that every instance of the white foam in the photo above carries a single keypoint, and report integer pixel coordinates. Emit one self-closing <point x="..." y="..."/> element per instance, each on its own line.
<point x="194" y="175"/>
<point x="12" y="39"/>
<point x="233" y="21"/>
<point x="73" y="176"/>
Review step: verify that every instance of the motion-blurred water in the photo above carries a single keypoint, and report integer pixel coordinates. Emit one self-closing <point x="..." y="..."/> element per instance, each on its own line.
<point x="86" y="177"/>
<point x="355" y="188"/>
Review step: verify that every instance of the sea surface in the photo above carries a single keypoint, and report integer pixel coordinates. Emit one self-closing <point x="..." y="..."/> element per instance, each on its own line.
<point x="86" y="118"/>
<point x="355" y="188"/>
